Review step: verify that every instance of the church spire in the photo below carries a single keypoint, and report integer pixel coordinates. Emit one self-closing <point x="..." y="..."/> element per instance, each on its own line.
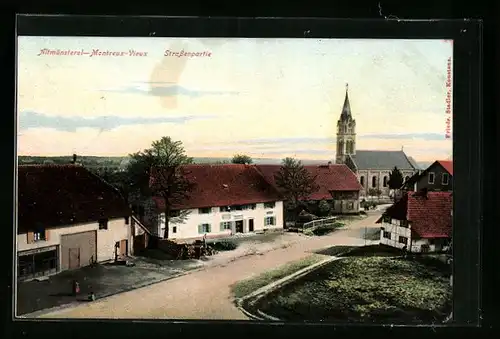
<point x="346" y="109"/>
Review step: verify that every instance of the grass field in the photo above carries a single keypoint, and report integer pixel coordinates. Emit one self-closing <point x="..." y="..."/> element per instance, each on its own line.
<point x="365" y="289"/>
<point x="245" y="287"/>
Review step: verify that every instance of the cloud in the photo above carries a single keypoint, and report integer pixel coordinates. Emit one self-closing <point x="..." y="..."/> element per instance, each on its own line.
<point x="169" y="90"/>
<point x="318" y="140"/>
<point x="424" y="136"/>
<point x="29" y="120"/>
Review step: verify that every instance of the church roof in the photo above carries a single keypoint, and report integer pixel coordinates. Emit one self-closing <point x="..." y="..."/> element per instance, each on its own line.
<point x="382" y="160"/>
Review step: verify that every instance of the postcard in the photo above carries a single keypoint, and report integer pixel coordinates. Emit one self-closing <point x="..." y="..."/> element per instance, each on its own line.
<point x="235" y="179"/>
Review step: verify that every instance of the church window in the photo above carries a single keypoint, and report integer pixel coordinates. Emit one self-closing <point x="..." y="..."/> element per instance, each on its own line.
<point x="385" y="181"/>
<point x="362" y="181"/>
<point x="374" y="181"/>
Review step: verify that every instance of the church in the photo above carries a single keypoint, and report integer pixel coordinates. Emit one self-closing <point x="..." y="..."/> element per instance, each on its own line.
<point x="371" y="167"/>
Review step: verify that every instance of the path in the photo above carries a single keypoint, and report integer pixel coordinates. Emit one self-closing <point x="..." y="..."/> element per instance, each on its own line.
<point x="206" y="294"/>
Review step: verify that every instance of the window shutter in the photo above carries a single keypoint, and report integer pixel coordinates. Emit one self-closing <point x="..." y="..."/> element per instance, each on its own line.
<point x="47" y="232"/>
<point x="273" y="221"/>
<point x="209" y="228"/>
<point x="200" y="228"/>
<point x="265" y="219"/>
<point x="31" y="237"/>
<point x="222" y="226"/>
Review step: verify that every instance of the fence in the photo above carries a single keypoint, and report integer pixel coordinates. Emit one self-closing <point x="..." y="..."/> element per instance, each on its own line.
<point x="320" y="222"/>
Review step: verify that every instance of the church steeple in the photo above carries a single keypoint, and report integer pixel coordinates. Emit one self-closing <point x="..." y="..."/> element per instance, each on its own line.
<point x="346" y="109"/>
<point x="346" y="132"/>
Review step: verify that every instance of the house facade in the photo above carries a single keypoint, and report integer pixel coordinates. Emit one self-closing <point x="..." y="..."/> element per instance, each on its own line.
<point x="225" y="200"/>
<point x="437" y="177"/>
<point x="337" y="184"/>
<point x="419" y="221"/>
<point x="68" y="218"/>
<point x="372" y="168"/>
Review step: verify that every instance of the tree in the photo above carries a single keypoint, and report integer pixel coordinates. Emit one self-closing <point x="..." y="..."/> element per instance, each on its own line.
<point x="295" y="181"/>
<point x="241" y="159"/>
<point x="324" y="207"/>
<point x="374" y="192"/>
<point x="395" y="181"/>
<point x="158" y="171"/>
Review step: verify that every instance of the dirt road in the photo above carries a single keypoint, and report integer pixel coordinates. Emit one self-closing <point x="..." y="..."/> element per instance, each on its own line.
<point x="206" y="294"/>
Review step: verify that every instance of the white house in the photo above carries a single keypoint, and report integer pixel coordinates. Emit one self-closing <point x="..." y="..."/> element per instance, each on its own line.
<point x="226" y="199"/>
<point x="68" y="218"/>
<point x="421" y="221"/>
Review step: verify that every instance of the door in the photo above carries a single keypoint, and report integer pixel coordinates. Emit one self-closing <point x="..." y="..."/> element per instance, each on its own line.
<point x="250" y="225"/>
<point x="124" y="247"/>
<point x="239" y="226"/>
<point x="74" y="258"/>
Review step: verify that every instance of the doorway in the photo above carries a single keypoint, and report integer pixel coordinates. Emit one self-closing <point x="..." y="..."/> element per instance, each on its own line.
<point x="74" y="258"/>
<point x="124" y="247"/>
<point x="250" y="225"/>
<point x="239" y="226"/>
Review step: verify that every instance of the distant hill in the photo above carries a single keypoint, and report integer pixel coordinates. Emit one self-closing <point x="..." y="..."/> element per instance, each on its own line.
<point x="95" y="161"/>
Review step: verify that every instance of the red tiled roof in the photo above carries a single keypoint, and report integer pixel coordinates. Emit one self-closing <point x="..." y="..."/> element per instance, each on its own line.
<point x="447" y="165"/>
<point x="397" y="210"/>
<point x="62" y="195"/>
<point x="329" y="178"/>
<point x="224" y="185"/>
<point x="430" y="216"/>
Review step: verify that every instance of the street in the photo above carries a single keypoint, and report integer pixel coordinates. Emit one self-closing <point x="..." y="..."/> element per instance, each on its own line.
<point x="206" y="294"/>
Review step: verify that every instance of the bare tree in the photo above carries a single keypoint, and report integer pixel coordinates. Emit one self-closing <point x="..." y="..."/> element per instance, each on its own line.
<point x="295" y="181"/>
<point x="158" y="171"/>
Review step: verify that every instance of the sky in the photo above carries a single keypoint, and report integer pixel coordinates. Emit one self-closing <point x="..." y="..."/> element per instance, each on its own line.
<point x="268" y="98"/>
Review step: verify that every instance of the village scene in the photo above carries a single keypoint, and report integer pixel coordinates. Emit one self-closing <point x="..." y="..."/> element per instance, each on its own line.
<point x="195" y="213"/>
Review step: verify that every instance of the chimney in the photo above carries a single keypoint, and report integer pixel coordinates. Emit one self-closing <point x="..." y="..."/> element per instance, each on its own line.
<point x="74" y="159"/>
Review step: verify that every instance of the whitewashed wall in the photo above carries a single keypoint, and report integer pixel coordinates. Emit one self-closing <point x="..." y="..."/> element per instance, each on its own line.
<point x="106" y="239"/>
<point x="397" y="231"/>
<point x="189" y="229"/>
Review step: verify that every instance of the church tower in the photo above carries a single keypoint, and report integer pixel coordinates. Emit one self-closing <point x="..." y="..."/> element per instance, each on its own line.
<point x="346" y="132"/>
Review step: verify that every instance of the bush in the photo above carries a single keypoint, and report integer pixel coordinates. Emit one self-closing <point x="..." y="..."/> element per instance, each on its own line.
<point x="224" y="245"/>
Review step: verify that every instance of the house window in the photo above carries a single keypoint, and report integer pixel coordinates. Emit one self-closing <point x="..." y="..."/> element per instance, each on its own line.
<point x="127" y="220"/>
<point x="204" y="210"/>
<point x="374" y="181"/>
<point x="403" y="240"/>
<point x="362" y="181"/>
<point x="204" y="228"/>
<point x="174" y="229"/>
<point x="445" y="179"/>
<point x="225" y="209"/>
<point x="174" y="213"/>
<point x="225" y="225"/>
<point x="350" y="205"/>
<point x="103" y="224"/>
<point x="387" y="235"/>
<point x="39" y="235"/>
<point x="269" y="204"/>
<point x="248" y="207"/>
<point x="269" y="221"/>
<point x="387" y="219"/>
<point x="385" y="181"/>
<point x="236" y="208"/>
<point x="431" y="177"/>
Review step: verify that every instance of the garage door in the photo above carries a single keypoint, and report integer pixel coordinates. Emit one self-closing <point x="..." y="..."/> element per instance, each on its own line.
<point x="78" y="250"/>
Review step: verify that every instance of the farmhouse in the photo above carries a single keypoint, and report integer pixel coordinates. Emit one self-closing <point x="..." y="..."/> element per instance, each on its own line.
<point x="437" y="177"/>
<point x="421" y="221"/>
<point x="337" y="184"/>
<point x="226" y="199"/>
<point x="68" y="218"/>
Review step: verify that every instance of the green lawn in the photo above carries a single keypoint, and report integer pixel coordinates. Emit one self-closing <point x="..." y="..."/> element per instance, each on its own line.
<point x="366" y="289"/>
<point x="245" y="287"/>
